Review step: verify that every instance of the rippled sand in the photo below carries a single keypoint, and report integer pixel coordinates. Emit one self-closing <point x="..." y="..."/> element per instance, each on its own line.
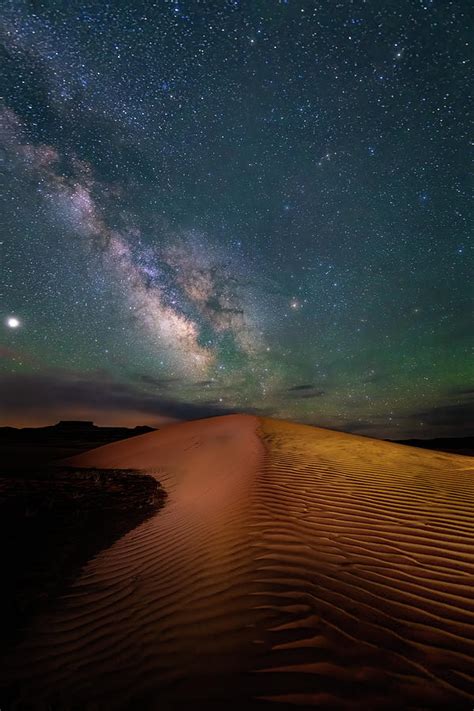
<point x="291" y="565"/>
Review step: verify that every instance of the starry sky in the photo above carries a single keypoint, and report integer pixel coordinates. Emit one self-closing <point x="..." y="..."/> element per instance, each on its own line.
<point x="212" y="206"/>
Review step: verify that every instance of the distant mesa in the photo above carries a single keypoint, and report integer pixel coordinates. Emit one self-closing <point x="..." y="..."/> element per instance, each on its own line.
<point x="66" y="433"/>
<point x="456" y="445"/>
<point x="83" y="425"/>
<point x="75" y="425"/>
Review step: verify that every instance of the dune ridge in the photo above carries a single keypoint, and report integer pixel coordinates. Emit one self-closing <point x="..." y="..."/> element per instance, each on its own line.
<point x="387" y="537"/>
<point x="290" y="566"/>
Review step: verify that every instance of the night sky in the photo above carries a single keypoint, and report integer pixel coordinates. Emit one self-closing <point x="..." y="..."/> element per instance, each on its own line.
<point x="256" y="205"/>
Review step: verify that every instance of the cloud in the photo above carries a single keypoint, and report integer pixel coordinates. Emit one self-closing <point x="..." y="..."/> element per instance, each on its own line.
<point x="14" y="355"/>
<point x="444" y="420"/>
<point x="459" y="416"/>
<point x="461" y="391"/>
<point x="360" y="427"/>
<point x="163" y="383"/>
<point x="56" y="394"/>
<point x="9" y="354"/>
<point x="296" y="388"/>
<point x="305" y="390"/>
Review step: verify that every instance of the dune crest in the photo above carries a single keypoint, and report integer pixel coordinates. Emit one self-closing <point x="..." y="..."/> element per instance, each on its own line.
<point x="291" y="565"/>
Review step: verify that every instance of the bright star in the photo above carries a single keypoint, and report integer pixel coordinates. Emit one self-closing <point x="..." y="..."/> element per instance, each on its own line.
<point x="13" y="322"/>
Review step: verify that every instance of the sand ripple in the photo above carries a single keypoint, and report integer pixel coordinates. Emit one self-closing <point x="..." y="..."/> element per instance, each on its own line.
<point x="290" y="566"/>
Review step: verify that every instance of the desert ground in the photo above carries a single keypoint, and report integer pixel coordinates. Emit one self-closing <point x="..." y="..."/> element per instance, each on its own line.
<point x="290" y="566"/>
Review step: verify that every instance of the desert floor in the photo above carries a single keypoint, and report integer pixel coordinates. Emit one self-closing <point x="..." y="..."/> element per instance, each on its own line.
<point x="288" y="566"/>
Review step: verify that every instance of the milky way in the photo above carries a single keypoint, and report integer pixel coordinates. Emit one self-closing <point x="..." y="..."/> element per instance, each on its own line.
<point x="220" y="206"/>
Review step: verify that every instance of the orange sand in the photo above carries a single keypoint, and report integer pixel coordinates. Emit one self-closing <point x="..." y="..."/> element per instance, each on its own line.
<point x="290" y="565"/>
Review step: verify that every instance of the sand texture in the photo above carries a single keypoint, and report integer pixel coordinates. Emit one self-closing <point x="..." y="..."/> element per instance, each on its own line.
<point x="289" y="566"/>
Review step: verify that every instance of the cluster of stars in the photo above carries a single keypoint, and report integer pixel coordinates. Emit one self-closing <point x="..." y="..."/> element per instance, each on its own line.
<point x="239" y="200"/>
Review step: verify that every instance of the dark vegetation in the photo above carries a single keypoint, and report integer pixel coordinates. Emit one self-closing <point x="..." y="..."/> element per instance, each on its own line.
<point x="52" y="521"/>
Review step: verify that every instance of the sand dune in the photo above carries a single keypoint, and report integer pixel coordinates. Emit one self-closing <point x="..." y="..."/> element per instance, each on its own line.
<point x="290" y="565"/>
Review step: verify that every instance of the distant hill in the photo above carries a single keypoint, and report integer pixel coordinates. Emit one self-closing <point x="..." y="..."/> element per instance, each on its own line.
<point x="27" y="446"/>
<point x="456" y="445"/>
<point x="71" y="436"/>
<point x="71" y="429"/>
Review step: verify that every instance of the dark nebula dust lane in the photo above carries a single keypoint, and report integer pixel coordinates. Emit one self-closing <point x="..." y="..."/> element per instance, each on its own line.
<point x="237" y="206"/>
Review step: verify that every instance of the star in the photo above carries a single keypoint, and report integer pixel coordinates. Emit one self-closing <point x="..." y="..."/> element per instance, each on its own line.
<point x="242" y="192"/>
<point x="13" y="322"/>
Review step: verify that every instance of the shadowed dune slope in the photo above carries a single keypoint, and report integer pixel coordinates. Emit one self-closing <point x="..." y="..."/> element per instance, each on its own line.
<point x="290" y="566"/>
